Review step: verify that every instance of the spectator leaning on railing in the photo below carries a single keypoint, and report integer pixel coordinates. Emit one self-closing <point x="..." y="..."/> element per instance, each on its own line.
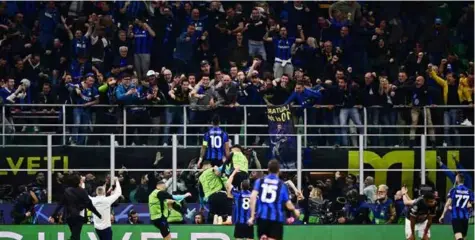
<point x="132" y="95"/>
<point x="84" y="94"/>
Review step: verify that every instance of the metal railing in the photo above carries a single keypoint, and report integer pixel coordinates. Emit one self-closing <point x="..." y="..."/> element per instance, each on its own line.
<point x="305" y="122"/>
<point x="298" y="170"/>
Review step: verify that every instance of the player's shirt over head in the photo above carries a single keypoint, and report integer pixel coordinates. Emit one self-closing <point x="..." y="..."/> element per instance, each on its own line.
<point x="215" y="140"/>
<point x="273" y="194"/>
<point x="242" y="206"/>
<point x="420" y="210"/>
<point x="460" y="196"/>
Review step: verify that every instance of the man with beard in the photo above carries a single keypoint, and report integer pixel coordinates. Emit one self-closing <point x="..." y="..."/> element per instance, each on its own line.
<point x="460" y="200"/>
<point x="383" y="210"/>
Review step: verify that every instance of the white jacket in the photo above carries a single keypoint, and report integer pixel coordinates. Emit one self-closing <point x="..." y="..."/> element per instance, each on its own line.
<point x="103" y="206"/>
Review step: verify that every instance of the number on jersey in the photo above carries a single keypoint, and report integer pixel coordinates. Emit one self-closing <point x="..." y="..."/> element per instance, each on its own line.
<point x="216" y="141"/>
<point x="462" y="200"/>
<point x="269" y="193"/>
<point x="246" y="203"/>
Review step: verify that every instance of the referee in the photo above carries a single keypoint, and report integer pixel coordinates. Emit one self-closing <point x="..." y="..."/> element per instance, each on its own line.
<point x="74" y="201"/>
<point x="103" y="206"/>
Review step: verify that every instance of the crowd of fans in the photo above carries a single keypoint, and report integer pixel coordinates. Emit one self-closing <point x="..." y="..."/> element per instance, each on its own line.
<point x="332" y="59"/>
<point x="216" y="56"/>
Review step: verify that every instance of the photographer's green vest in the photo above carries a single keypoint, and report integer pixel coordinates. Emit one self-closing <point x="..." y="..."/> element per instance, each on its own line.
<point x="156" y="207"/>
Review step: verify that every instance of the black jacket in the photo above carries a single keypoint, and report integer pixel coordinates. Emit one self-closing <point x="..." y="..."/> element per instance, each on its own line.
<point x="74" y="201"/>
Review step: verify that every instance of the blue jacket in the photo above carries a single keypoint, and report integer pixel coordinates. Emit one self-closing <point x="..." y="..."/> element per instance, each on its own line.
<point x="184" y="49"/>
<point x="131" y="99"/>
<point x="307" y="98"/>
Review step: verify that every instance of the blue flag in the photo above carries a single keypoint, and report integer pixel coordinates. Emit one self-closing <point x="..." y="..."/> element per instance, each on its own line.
<point x="283" y="142"/>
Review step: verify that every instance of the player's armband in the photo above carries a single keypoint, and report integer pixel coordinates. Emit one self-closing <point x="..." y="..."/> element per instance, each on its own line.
<point x="205" y="143"/>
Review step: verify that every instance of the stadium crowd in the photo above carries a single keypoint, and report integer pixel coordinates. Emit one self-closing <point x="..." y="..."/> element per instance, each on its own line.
<point x="330" y="58"/>
<point x="216" y="56"/>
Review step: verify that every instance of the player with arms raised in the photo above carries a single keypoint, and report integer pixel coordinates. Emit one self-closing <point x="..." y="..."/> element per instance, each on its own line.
<point x="215" y="146"/>
<point x="271" y="195"/>
<point x="242" y="207"/>
<point x="459" y="201"/>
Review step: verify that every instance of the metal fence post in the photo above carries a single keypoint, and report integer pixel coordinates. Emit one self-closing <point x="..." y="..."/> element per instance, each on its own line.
<point x="361" y="158"/>
<point x="3" y="125"/>
<point x="424" y="109"/>
<point x="64" y="123"/>
<point x="112" y="155"/>
<point x="185" y="120"/>
<point x="299" y="162"/>
<point x="305" y="126"/>
<point x="49" y="179"/>
<point x="174" y="161"/>
<point x="423" y="159"/>
<point x="365" y="126"/>
<point x="124" y="126"/>
<point x="245" y="126"/>
<point x="236" y="139"/>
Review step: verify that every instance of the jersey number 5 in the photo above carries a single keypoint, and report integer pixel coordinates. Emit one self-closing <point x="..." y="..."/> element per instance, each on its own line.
<point x="216" y="141"/>
<point x="461" y="199"/>
<point x="269" y="193"/>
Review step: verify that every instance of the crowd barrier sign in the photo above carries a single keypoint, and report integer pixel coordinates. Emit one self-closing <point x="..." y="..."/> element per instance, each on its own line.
<point x="210" y="232"/>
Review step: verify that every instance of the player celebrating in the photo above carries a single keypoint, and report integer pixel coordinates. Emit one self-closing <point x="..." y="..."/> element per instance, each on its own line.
<point x="215" y="146"/>
<point x="273" y="195"/>
<point x="242" y="205"/>
<point x="103" y="206"/>
<point x="459" y="200"/>
<point x="159" y="202"/>
<point x="421" y="212"/>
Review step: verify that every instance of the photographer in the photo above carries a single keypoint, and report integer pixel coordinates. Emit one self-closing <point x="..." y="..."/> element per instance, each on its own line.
<point x="383" y="211"/>
<point x="23" y="210"/>
<point x="318" y="207"/>
<point x="355" y="209"/>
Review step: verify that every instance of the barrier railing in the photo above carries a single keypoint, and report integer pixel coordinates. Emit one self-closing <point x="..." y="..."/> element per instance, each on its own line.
<point x="323" y="121"/>
<point x="358" y="167"/>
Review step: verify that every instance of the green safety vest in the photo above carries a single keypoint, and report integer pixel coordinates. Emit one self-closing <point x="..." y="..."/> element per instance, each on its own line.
<point x="240" y="160"/>
<point x="156" y="207"/>
<point x="175" y="216"/>
<point x="210" y="182"/>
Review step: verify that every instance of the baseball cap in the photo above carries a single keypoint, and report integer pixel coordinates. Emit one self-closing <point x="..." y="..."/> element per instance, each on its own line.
<point x="204" y="62"/>
<point x="150" y="73"/>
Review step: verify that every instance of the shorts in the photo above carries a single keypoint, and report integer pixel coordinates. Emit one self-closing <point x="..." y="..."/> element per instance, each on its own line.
<point x="460" y="226"/>
<point x="271" y="229"/>
<point x="220" y="205"/>
<point x="243" y="231"/>
<point x="162" y="225"/>
<point x="418" y="229"/>
<point x="239" y="178"/>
